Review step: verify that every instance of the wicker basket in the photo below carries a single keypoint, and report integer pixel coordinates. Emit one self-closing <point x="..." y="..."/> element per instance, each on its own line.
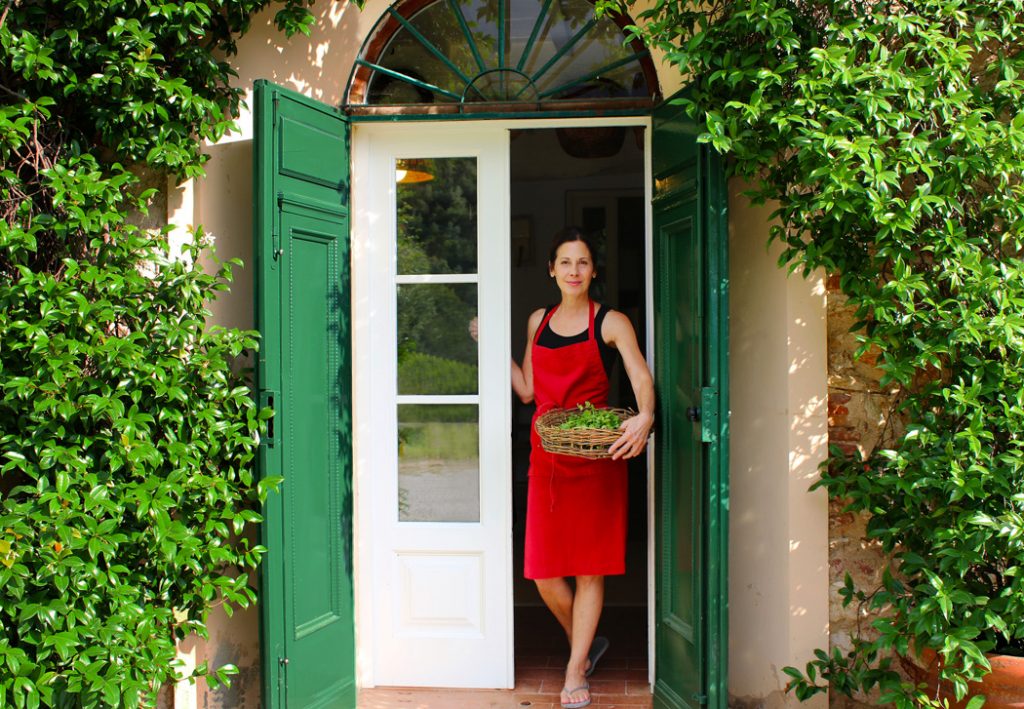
<point x="580" y="442"/>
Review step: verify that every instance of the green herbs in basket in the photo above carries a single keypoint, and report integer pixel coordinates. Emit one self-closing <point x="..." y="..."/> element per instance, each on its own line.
<point x="586" y="431"/>
<point x="590" y="417"/>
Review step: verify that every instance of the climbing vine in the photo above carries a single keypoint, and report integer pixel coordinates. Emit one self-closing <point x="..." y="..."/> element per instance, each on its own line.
<point x="890" y="136"/>
<point x="127" y="425"/>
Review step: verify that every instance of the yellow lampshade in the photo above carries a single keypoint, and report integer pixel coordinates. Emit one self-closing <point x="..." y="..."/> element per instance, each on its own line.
<point x="412" y="171"/>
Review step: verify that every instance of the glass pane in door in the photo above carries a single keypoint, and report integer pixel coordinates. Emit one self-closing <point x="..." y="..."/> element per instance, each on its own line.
<point x="436" y="352"/>
<point x="438" y="463"/>
<point x="437" y="220"/>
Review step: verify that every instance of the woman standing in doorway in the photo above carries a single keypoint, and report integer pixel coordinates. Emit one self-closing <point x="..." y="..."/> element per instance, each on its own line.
<point x="576" y="507"/>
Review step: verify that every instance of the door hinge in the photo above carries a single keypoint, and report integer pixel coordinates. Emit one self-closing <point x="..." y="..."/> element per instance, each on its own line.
<point x="701" y="699"/>
<point x="708" y="414"/>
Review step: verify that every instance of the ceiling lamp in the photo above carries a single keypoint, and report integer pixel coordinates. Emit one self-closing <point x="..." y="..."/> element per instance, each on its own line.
<point x="410" y="171"/>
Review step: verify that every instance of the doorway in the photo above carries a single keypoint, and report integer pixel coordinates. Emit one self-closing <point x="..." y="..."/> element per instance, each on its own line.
<point x="592" y="178"/>
<point x="438" y="527"/>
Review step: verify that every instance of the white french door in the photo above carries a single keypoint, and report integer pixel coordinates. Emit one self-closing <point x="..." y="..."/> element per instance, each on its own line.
<point x="432" y="405"/>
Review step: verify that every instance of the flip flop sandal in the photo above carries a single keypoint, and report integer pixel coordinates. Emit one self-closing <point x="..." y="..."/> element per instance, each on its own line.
<point x="580" y="704"/>
<point x="597" y="650"/>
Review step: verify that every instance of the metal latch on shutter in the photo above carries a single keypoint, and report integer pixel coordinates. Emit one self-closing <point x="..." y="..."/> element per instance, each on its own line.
<point x="706" y="414"/>
<point x="275" y="235"/>
<point x="268" y="397"/>
<point x="709" y="415"/>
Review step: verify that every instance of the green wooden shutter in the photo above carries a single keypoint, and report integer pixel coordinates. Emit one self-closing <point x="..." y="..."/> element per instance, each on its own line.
<point x="692" y="447"/>
<point x="302" y="262"/>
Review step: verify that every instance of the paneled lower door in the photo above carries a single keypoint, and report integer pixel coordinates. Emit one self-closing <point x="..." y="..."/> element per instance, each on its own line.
<point x="432" y="406"/>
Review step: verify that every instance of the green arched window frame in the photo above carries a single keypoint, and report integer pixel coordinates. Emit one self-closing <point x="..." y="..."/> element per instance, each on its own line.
<point x="500" y="56"/>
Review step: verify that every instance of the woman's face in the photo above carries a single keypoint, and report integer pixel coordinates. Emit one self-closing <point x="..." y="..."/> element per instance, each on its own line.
<point x="573" y="268"/>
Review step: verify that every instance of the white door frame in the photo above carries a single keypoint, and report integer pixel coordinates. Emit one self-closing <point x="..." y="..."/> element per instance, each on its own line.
<point x="369" y="223"/>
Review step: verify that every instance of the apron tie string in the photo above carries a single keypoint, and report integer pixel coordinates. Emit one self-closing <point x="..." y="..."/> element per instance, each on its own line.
<point x="551" y="459"/>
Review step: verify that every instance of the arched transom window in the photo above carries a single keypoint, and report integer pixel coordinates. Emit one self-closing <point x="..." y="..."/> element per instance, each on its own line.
<point x="447" y="56"/>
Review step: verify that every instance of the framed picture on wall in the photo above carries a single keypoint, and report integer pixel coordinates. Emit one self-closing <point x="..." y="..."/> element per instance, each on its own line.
<point x="522" y="241"/>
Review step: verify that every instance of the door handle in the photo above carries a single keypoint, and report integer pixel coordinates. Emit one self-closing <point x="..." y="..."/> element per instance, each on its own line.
<point x="693" y="413"/>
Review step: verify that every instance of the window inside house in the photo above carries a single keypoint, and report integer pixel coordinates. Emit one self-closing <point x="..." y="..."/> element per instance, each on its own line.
<point x="458" y="54"/>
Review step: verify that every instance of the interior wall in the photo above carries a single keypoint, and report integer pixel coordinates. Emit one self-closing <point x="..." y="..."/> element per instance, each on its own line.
<point x="550" y="215"/>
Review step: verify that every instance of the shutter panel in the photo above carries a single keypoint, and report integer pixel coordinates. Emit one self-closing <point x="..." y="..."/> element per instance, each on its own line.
<point x="301" y="164"/>
<point x="691" y="636"/>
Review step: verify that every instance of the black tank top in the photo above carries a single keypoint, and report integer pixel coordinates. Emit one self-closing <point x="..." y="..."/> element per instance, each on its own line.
<point x="552" y="340"/>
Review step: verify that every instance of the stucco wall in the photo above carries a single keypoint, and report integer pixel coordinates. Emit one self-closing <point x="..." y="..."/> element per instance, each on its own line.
<point x="778" y="600"/>
<point x="778" y="545"/>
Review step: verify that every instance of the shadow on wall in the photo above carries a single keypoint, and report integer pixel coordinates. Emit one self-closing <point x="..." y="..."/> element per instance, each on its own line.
<point x="318" y="65"/>
<point x="234" y="640"/>
<point x="224" y="211"/>
<point x="778" y="567"/>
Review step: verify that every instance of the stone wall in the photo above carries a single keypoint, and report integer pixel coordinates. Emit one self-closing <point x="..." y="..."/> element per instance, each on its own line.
<point x="859" y="418"/>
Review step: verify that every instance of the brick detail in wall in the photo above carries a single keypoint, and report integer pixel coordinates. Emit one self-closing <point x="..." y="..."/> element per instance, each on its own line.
<point x="858" y="412"/>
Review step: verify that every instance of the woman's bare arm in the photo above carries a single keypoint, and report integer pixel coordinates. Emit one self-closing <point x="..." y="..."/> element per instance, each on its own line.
<point x="522" y="377"/>
<point x="618" y="331"/>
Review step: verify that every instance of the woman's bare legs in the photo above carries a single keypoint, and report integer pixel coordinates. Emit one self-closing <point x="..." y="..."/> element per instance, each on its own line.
<point x="578" y="615"/>
<point x="557" y="595"/>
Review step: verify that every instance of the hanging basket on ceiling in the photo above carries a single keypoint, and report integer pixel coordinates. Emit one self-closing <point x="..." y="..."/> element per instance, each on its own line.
<point x="587" y="143"/>
<point x="592" y="143"/>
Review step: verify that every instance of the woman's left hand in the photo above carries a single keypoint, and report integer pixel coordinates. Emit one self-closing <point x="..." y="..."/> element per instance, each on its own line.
<point x="634" y="436"/>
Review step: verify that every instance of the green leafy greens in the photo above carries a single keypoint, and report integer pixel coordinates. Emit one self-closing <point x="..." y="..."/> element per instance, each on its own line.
<point x="588" y="416"/>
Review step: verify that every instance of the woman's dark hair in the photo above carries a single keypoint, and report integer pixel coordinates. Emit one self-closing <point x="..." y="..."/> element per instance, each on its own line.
<point x="564" y="236"/>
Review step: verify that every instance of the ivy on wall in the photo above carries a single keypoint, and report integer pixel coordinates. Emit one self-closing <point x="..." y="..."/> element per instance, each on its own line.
<point x="127" y="426"/>
<point x="890" y="135"/>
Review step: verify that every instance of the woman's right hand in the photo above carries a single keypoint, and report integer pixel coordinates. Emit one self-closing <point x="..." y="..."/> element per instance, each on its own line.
<point x="635" y="431"/>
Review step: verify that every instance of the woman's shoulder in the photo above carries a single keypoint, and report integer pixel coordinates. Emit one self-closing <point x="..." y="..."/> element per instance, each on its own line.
<point x="533" y="322"/>
<point x="614" y="324"/>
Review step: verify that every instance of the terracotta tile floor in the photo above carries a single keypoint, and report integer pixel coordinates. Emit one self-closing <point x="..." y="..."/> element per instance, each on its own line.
<point x="620" y="680"/>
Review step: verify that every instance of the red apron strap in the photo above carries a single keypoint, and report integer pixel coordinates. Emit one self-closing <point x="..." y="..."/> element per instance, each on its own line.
<point x="590" y="327"/>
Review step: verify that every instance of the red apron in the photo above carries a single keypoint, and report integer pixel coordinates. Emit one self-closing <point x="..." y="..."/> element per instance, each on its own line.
<point x="576" y="507"/>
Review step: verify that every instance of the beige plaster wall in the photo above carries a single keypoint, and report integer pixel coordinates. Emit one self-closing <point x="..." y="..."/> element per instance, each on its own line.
<point x="778" y="546"/>
<point x="778" y="580"/>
